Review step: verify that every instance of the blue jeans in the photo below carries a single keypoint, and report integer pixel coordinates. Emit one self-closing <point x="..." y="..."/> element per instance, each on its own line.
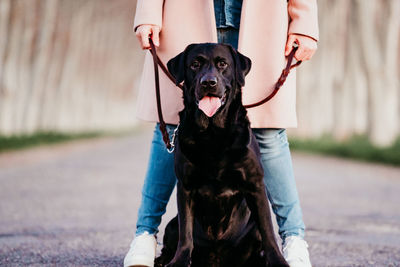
<point x="229" y="36"/>
<point x="278" y="176"/>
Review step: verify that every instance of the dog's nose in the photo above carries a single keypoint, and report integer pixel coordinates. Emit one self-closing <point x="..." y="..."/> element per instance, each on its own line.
<point x="208" y="81"/>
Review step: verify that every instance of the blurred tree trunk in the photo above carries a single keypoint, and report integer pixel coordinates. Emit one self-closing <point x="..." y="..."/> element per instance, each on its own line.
<point x="67" y="65"/>
<point x="5" y="21"/>
<point x="379" y="24"/>
<point x="352" y="84"/>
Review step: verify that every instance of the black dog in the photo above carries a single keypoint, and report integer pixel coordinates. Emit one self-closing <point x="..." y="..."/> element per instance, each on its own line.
<point x="223" y="213"/>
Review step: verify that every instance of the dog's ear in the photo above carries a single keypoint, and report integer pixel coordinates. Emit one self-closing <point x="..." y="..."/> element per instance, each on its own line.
<point x="242" y="65"/>
<point x="176" y="65"/>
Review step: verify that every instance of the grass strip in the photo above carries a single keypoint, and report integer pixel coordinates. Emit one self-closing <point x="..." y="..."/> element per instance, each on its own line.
<point x="15" y="142"/>
<point x="357" y="147"/>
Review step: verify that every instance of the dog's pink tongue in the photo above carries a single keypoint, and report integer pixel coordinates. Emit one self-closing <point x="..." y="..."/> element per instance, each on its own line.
<point x="209" y="105"/>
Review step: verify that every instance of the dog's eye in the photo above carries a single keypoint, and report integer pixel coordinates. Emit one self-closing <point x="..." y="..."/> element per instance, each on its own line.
<point x="221" y="64"/>
<point x="195" y="65"/>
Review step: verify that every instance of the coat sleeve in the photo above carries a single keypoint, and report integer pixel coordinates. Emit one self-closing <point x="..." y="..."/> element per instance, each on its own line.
<point x="303" y="18"/>
<point x="149" y="12"/>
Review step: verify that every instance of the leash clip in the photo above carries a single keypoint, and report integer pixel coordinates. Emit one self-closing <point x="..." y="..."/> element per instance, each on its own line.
<point x="171" y="150"/>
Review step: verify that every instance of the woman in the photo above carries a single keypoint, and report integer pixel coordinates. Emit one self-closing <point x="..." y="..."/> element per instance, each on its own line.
<point x="263" y="30"/>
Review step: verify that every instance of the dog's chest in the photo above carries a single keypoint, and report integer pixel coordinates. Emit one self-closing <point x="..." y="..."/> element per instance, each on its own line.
<point x="216" y="192"/>
<point x="220" y="213"/>
<point x="218" y="182"/>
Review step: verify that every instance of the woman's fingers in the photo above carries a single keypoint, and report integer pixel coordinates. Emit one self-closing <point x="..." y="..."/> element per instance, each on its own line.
<point x="156" y="35"/>
<point x="143" y="32"/>
<point x="300" y="54"/>
<point x="289" y="44"/>
<point x="307" y="46"/>
<point x="144" y="39"/>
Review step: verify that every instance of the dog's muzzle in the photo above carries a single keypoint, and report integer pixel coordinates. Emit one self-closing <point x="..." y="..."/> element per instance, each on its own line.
<point x="211" y="102"/>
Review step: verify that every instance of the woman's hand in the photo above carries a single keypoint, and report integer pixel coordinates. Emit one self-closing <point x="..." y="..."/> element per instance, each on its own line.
<point x="307" y="46"/>
<point x="144" y="31"/>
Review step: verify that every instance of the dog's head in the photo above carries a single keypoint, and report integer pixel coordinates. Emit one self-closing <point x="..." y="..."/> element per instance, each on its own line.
<point x="213" y="75"/>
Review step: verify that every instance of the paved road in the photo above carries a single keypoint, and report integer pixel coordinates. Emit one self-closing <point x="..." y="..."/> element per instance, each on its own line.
<point x="75" y="205"/>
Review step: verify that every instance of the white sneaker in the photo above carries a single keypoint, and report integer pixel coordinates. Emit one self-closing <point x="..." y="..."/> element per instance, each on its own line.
<point x="142" y="251"/>
<point x="295" y="252"/>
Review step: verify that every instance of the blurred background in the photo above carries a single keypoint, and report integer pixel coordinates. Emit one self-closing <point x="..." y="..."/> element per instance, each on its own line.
<point x="67" y="65"/>
<point x="71" y="68"/>
<point x="74" y="65"/>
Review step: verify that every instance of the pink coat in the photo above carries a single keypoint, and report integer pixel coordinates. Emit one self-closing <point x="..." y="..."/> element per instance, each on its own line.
<point x="264" y="27"/>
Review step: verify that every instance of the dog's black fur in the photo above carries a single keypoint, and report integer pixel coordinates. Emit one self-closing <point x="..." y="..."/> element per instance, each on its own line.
<point x="223" y="213"/>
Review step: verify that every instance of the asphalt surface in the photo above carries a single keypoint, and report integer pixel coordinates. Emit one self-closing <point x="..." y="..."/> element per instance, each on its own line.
<point x="75" y="204"/>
